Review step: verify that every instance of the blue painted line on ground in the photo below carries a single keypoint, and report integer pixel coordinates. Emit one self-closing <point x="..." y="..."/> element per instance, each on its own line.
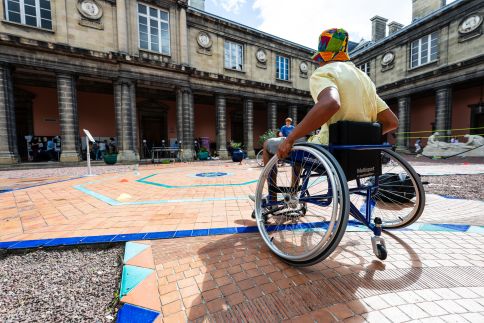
<point x="144" y="181"/>
<point x="353" y="226"/>
<point x="37" y="185"/>
<point x="64" y="242"/>
<point x="134" y="314"/>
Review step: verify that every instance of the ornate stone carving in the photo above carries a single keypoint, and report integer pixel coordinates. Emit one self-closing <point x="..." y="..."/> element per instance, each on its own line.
<point x="470" y="27"/>
<point x="387" y="61"/>
<point x="303" y="69"/>
<point x="204" y="42"/>
<point x="91" y="13"/>
<point x="261" y="57"/>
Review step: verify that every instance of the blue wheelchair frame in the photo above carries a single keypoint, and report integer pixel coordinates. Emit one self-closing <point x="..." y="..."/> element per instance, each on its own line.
<point x="326" y="199"/>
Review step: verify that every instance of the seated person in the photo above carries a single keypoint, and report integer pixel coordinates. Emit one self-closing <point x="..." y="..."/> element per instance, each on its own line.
<point x="340" y="91"/>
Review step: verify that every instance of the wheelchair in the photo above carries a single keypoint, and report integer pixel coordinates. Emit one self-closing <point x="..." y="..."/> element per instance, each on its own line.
<point x="302" y="208"/>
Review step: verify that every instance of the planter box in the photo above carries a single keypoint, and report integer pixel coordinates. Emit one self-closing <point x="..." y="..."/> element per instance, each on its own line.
<point x="111" y="159"/>
<point x="237" y="155"/>
<point x="203" y="155"/>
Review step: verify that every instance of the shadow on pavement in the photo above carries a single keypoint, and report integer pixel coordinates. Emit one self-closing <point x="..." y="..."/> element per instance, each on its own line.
<point x="244" y="281"/>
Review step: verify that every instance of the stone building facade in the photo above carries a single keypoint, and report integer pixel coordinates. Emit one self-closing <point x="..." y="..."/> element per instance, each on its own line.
<point x="430" y="72"/>
<point x="142" y="72"/>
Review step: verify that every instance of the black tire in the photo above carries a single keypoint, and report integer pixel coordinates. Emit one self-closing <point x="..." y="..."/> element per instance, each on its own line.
<point x="419" y="192"/>
<point x="345" y="204"/>
<point x="400" y="198"/>
<point x="382" y="252"/>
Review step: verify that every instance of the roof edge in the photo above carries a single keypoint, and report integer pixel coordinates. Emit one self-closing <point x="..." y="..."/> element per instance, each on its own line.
<point x="251" y="29"/>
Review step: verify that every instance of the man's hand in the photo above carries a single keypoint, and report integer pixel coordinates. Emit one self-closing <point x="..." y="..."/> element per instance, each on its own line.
<point x="285" y="148"/>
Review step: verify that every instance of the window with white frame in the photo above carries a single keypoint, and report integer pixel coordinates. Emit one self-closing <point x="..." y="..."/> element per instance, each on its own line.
<point x="154" y="29"/>
<point x="35" y="13"/>
<point x="234" y="55"/>
<point x="365" y="68"/>
<point x="282" y="68"/>
<point x="424" y="50"/>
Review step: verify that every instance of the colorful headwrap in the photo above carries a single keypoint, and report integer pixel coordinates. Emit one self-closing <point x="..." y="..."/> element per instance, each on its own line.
<point x="333" y="46"/>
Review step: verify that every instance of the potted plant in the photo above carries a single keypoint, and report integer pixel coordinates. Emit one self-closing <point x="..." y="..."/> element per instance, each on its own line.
<point x="237" y="153"/>
<point x="202" y="153"/>
<point x="271" y="133"/>
<point x="111" y="155"/>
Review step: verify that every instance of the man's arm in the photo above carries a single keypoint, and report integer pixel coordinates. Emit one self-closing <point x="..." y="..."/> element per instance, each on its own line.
<point x="388" y="119"/>
<point x="328" y="104"/>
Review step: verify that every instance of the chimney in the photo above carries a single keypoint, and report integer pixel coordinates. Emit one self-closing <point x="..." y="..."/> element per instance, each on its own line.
<point x="197" y="4"/>
<point x="422" y="8"/>
<point x="378" y="28"/>
<point x="393" y="27"/>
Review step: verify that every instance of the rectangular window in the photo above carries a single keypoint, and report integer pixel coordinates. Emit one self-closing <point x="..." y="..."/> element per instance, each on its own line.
<point x="365" y="68"/>
<point x="154" y="30"/>
<point x="282" y="68"/>
<point x="234" y="56"/>
<point x="424" y="50"/>
<point x="35" y="13"/>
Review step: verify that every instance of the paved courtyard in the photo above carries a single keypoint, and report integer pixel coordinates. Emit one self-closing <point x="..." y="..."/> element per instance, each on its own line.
<point x="220" y="270"/>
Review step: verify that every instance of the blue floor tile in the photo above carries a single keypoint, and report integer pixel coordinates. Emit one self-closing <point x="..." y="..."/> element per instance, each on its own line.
<point x="63" y="242"/>
<point x="29" y="244"/>
<point x="98" y="239"/>
<point x="183" y="233"/>
<point x="160" y="235"/>
<point x="134" y="314"/>
<point x="129" y="237"/>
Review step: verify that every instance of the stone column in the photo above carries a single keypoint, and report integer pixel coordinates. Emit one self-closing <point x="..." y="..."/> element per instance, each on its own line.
<point x="134" y="120"/>
<point x="272" y="115"/>
<point x="249" y="126"/>
<point x="187" y="107"/>
<point x="404" y="123"/>
<point x="8" y="132"/>
<point x="179" y="115"/>
<point x="124" y="120"/>
<point x="67" y="103"/>
<point x="443" y="112"/>
<point x="221" y="117"/>
<point x="293" y="114"/>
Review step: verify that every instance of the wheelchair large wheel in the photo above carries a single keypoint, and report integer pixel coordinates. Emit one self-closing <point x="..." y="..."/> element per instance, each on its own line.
<point x="302" y="207"/>
<point x="398" y="198"/>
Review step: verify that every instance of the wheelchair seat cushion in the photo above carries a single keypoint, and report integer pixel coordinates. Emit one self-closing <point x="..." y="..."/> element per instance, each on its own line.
<point x="357" y="163"/>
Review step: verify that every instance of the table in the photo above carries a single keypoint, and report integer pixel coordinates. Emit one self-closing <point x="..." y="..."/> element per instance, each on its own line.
<point x="172" y="153"/>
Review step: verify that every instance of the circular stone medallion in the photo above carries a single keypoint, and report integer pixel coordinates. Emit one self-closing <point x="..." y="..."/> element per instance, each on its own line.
<point x="204" y="40"/>
<point x="470" y="23"/>
<point x="90" y="9"/>
<point x="388" y="58"/>
<point x="261" y="55"/>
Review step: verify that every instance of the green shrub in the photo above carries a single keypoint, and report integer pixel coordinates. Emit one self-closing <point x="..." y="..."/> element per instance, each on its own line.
<point x="271" y="133"/>
<point x="235" y="145"/>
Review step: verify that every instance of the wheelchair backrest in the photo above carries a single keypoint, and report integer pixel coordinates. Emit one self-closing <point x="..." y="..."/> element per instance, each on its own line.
<point x="356" y="163"/>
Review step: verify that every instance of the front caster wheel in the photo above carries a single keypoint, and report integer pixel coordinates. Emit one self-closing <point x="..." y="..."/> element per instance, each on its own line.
<point x="381" y="252"/>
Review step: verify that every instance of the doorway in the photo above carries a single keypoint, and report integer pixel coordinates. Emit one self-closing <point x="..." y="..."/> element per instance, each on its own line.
<point x="153" y="126"/>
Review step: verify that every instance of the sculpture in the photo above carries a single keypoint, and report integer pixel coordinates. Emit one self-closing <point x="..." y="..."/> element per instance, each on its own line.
<point x="474" y="140"/>
<point x="474" y="147"/>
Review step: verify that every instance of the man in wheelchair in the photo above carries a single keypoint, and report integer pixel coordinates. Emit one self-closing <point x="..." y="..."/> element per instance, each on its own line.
<point x="341" y="91"/>
<point x="302" y="209"/>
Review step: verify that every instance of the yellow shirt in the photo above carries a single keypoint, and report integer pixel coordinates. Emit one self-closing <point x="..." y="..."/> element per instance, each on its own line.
<point x="359" y="101"/>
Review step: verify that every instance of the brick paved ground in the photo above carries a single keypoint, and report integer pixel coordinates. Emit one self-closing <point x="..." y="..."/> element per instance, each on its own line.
<point x="168" y="198"/>
<point x="427" y="276"/>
